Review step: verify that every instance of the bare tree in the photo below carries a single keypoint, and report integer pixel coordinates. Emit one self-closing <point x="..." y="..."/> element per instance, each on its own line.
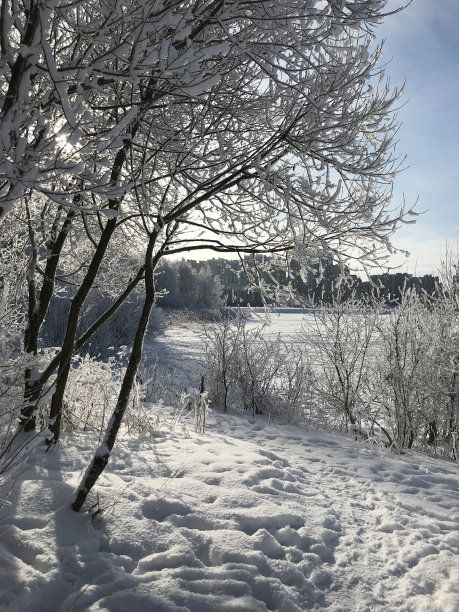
<point x="270" y="147"/>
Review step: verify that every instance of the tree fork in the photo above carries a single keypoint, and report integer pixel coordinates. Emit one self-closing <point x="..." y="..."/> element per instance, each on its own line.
<point x="34" y="391"/>
<point x="72" y="324"/>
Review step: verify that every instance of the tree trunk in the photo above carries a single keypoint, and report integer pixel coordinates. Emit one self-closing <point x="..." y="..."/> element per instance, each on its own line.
<point x="36" y="315"/>
<point x="54" y="363"/>
<point x="68" y="344"/>
<point x="102" y="454"/>
<point x="57" y="401"/>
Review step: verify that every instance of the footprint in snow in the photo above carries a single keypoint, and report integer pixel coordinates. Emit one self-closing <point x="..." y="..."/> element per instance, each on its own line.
<point x="274" y="486"/>
<point x="159" y="509"/>
<point x="256" y="477"/>
<point x="274" y="457"/>
<point x="212" y="480"/>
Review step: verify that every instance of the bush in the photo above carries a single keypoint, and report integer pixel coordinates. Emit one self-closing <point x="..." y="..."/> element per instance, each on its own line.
<point x="247" y="371"/>
<point x="342" y="337"/>
<point x="91" y="392"/>
<point x="417" y="380"/>
<point x="387" y="375"/>
<point x="390" y="374"/>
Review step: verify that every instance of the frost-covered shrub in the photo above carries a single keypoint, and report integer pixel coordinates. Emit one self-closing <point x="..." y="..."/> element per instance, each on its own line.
<point x="341" y="338"/>
<point x="222" y="344"/>
<point x="296" y="387"/>
<point x="12" y="368"/>
<point x="91" y="395"/>
<point x="406" y="352"/>
<point x="388" y="374"/>
<point x="442" y="424"/>
<point x="13" y="360"/>
<point x="248" y="370"/>
<point x="258" y="366"/>
<point x="418" y="369"/>
<point x="91" y="392"/>
<point x="154" y="419"/>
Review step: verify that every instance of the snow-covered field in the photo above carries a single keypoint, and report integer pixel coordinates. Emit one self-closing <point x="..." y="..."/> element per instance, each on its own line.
<point x="180" y="349"/>
<point x="248" y="516"/>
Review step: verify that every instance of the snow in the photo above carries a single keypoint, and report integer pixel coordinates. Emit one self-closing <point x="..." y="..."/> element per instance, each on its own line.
<point x="248" y="516"/>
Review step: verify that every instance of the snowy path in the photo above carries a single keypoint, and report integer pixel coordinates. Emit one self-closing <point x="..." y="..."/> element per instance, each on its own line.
<point x="246" y="517"/>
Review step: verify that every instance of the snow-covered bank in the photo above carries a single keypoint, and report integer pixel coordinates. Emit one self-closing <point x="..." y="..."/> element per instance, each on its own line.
<point x="246" y="517"/>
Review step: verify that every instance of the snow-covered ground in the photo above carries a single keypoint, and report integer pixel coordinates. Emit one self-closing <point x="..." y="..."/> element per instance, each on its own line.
<point x="248" y="516"/>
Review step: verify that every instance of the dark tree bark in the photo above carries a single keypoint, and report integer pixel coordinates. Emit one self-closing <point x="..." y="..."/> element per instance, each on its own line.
<point x="68" y="344"/>
<point x="37" y="312"/>
<point x="102" y="454"/>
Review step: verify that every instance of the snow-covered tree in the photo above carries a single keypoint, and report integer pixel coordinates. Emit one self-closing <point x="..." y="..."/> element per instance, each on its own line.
<point x="278" y="146"/>
<point x="342" y="334"/>
<point x="259" y="127"/>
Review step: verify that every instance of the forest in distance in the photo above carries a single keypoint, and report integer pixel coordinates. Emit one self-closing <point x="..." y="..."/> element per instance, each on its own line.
<point x="216" y="282"/>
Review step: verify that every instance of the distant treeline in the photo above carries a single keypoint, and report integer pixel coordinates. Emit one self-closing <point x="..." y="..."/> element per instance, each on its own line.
<point x="217" y="282"/>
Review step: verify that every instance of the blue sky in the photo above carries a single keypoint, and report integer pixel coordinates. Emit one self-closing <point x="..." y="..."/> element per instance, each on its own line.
<point x="422" y="50"/>
<point x="422" y="47"/>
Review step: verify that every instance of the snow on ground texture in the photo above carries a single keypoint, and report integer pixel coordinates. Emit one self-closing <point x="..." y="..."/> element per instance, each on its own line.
<point x="246" y="517"/>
